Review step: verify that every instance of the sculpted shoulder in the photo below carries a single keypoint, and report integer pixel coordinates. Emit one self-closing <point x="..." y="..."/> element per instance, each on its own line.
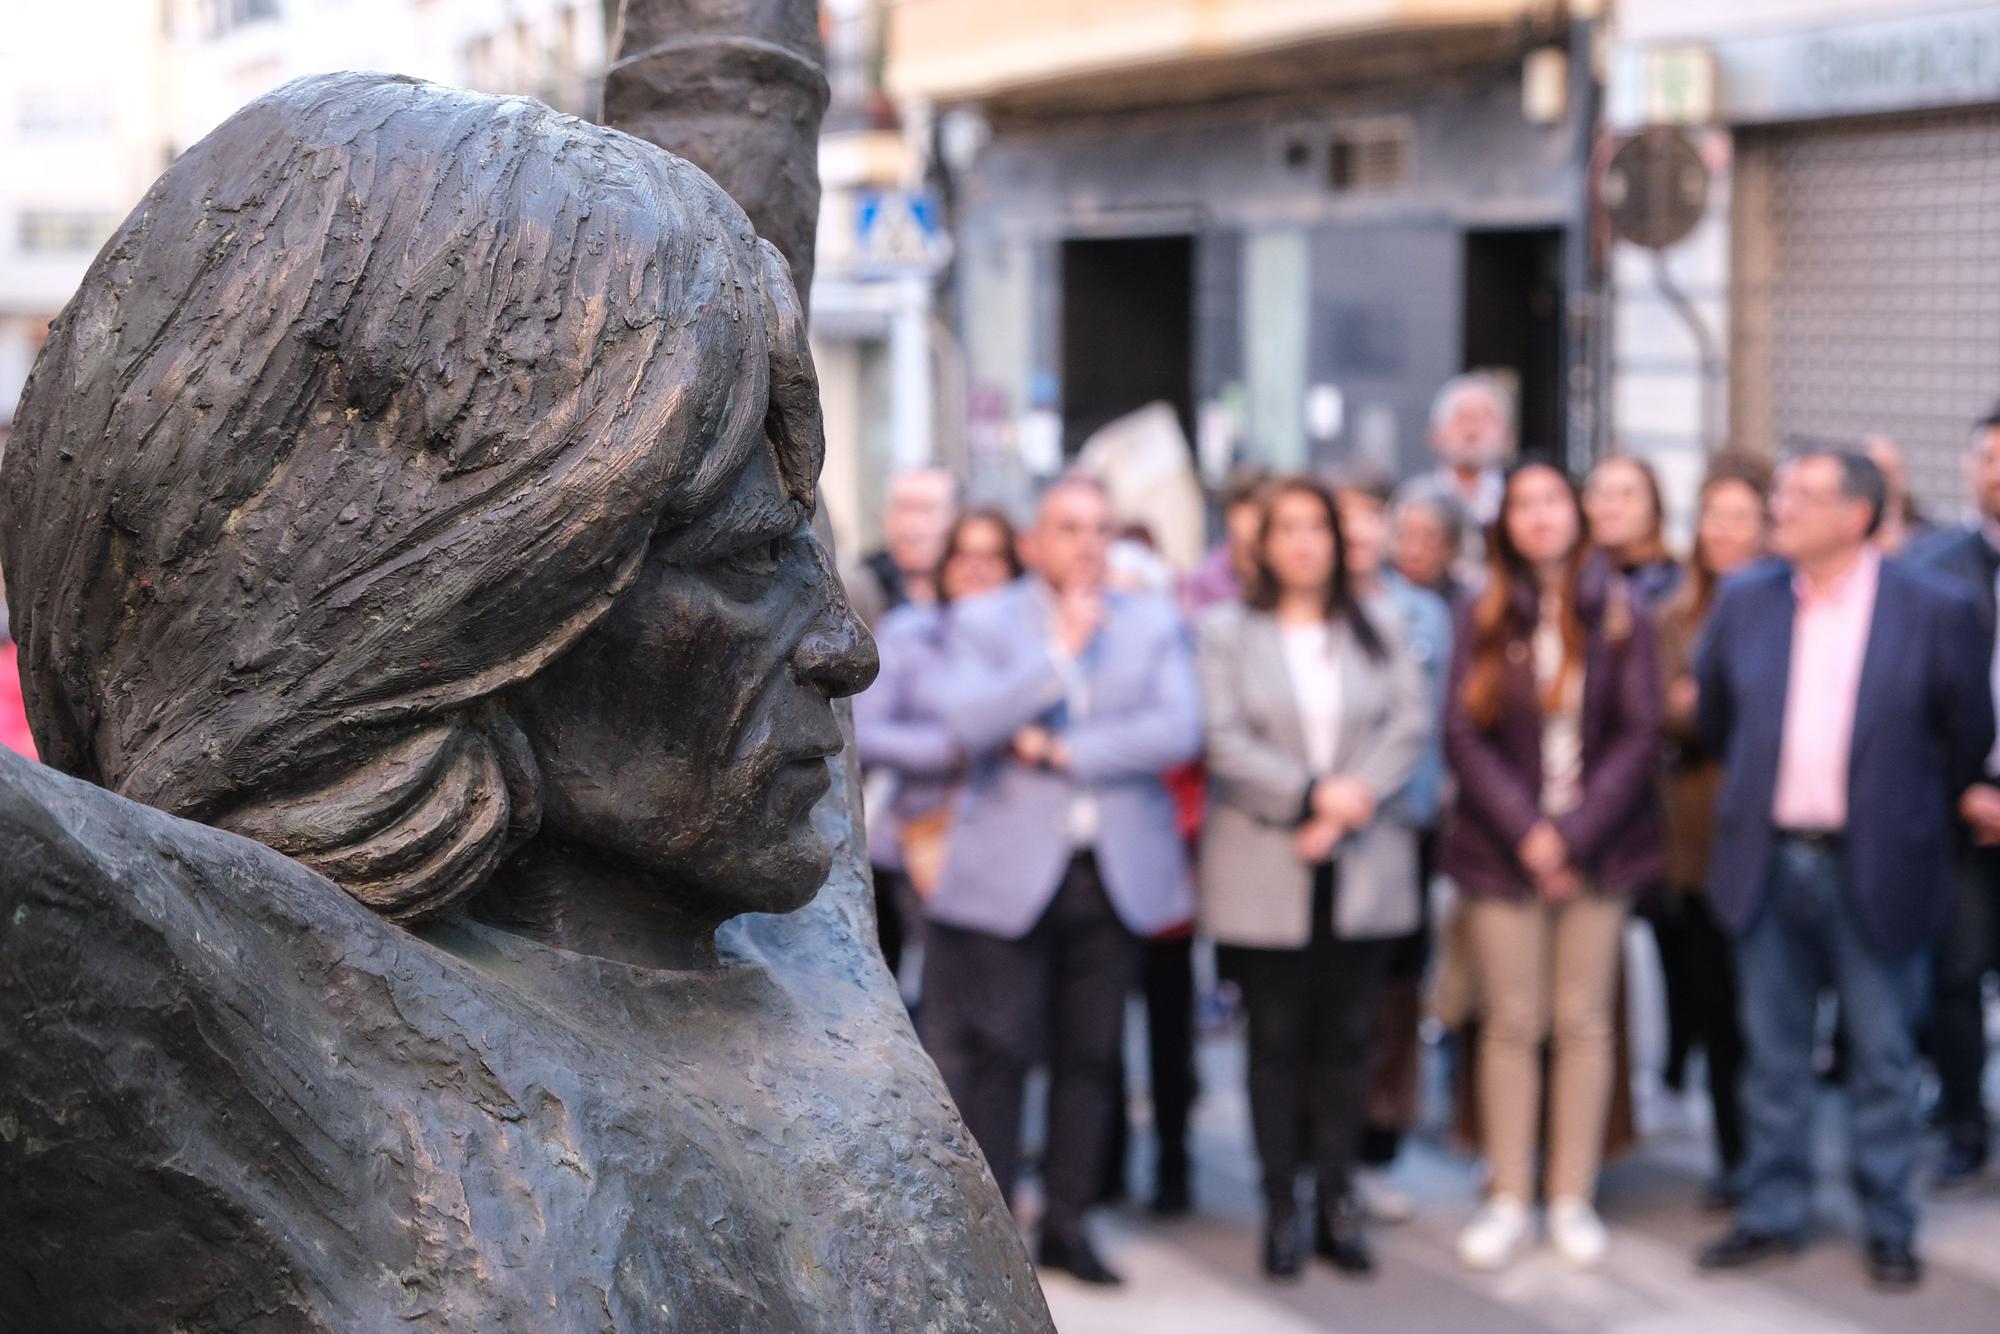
<point x="515" y="1094"/>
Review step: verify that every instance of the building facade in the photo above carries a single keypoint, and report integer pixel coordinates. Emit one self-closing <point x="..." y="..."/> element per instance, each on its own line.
<point x="92" y="110"/>
<point x="1848" y="271"/>
<point x="887" y="388"/>
<point x="81" y="109"/>
<point x="1290" y="222"/>
<point x="223" y="53"/>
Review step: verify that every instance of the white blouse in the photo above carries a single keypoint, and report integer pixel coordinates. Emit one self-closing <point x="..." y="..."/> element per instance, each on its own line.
<point x="1315" y="678"/>
<point x="1562" y="727"/>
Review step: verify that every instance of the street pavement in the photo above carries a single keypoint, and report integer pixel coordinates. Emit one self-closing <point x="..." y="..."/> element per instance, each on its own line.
<point x="1200" y="1275"/>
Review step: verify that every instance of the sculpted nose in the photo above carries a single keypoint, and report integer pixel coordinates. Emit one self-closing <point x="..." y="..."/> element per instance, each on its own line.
<point x="837" y="654"/>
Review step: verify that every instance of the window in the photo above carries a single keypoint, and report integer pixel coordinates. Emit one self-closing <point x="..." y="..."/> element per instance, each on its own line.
<point x="49" y="232"/>
<point x="49" y="114"/>
<point x="1369" y="156"/>
<point x="220" y="16"/>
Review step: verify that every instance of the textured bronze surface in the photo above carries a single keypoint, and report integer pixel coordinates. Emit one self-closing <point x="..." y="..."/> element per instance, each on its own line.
<point x="420" y="485"/>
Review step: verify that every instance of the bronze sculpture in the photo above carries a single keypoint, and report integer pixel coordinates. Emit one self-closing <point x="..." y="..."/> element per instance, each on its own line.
<point x="420" y="485"/>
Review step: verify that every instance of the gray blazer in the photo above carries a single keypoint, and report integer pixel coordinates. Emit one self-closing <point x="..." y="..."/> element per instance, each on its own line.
<point x="1254" y="889"/>
<point x="1009" y="840"/>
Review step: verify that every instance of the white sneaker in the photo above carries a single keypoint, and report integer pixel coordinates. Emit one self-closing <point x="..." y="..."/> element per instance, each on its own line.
<point x="1577" y="1232"/>
<point x="1381" y="1199"/>
<point x="1496" y="1233"/>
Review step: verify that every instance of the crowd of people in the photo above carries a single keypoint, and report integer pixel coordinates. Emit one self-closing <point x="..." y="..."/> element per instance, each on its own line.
<point x="1492" y="690"/>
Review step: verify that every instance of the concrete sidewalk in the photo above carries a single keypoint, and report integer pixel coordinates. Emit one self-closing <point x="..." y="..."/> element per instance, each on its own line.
<point x="1200" y="1275"/>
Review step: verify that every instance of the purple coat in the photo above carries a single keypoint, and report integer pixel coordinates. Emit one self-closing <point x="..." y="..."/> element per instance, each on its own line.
<point x="1614" y="834"/>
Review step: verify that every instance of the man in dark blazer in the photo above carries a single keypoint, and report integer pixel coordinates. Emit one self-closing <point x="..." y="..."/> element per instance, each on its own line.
<point x="1970" y="555"/>
<point x="1848" y="698"/>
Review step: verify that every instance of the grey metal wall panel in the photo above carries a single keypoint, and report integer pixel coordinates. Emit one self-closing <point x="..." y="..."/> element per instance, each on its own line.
<point x="1386" y="330"/>
<point x="1866" y="291"/>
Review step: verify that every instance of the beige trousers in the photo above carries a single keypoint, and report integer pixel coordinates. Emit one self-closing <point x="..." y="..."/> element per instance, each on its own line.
<point x="1547" y="972"/>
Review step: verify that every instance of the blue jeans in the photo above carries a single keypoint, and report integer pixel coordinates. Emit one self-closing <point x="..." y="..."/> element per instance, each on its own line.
<point x="1805" y="937"/>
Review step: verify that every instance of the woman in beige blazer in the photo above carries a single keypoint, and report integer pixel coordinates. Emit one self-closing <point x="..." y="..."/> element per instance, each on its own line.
<point x="1317" y="716"/>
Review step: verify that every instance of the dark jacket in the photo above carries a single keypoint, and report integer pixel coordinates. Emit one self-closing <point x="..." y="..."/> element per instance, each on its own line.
<point x="1693" y="778"/>
<point x="1613" y="835"/>
<point x="1965" y="556"/>
<point x="1653" y="582"/>
<point x="1922" y="727"/>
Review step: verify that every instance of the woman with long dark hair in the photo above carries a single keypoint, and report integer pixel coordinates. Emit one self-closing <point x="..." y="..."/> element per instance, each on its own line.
<point x="1317" y="717"/>
<point x="897" y="729"/>
<point x="1731" y="528"/>
<point x="1628" y="522"/>
<point x="1552" y="728"/>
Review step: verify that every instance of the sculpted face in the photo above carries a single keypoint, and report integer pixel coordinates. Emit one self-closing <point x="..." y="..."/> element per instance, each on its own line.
<point x="688" y="734"/>
<point x="504" y="597"/>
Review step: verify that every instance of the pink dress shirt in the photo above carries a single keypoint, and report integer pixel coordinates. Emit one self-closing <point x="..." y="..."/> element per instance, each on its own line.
<point x="1829" y="641"/>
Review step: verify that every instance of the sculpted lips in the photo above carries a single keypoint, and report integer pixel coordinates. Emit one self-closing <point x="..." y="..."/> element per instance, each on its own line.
<point x="801" y="781"/>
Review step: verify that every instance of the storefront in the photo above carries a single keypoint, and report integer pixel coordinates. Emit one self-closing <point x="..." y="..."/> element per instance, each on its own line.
<point x="1293" y="247"/>
<point x="1863" y="256"/>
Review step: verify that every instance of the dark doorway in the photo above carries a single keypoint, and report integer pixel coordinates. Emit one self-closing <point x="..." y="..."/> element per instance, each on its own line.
<point x="1127" y="331"/>
<point x="1513" y="322"/>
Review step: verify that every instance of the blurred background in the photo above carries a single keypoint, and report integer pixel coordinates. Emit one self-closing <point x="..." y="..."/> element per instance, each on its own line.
<point x="1286" y="220"/>
<point x="1262" y="233"/>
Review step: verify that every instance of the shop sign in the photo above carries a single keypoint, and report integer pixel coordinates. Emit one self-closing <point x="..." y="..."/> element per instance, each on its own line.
<point x="1936" y="60"/>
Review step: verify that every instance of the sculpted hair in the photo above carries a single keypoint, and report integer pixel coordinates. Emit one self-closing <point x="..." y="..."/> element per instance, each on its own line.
<point x="370" y="409"/>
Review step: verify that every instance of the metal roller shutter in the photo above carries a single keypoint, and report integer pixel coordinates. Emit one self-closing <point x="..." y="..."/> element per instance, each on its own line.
<point x="1867" y="286"/>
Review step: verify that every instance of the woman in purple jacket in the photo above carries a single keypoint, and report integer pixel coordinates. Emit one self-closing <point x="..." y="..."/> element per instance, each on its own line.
<point x="1552" y="728"/>
<point x="913" y="763"/>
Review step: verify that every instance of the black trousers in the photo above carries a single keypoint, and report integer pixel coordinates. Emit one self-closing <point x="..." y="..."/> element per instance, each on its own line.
<point x="1409" y="958"/>
<point x="1169" y="988"/>
<point x="994" y="1008"/>
<point x="1312" y="1014"/>
<point x="1710" y="981"/>
<point x="1672" y="935"/>
<point x="888" y="916"/>
<point x="1166" y="980"/>
<point x="1969" y="948"/>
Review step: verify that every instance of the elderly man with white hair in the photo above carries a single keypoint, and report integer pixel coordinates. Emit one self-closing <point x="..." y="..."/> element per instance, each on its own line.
<point x="1472" y="435"/>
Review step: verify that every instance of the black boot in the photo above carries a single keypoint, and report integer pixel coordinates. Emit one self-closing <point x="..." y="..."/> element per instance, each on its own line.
<point x="1964" y="1159"/>
<point x="1338" y="1237"/>
<point x="1284" y="1246"/>
<point x="1069" y="1249"/>
<point x="1171" y="1198"/>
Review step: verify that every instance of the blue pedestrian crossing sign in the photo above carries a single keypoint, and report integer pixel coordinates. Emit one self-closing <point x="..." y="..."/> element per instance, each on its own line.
<point x="899" y="232"/>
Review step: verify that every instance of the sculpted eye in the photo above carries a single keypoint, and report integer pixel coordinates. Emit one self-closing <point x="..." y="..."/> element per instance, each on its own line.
<point x="760" y="558"/>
